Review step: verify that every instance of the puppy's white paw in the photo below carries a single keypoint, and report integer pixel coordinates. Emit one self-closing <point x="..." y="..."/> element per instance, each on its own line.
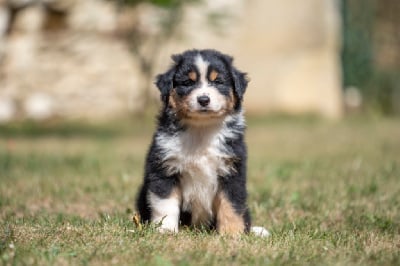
<point x="260" y="231"/>
<point x="166" y="230"/>
<point x="168" y="226"/>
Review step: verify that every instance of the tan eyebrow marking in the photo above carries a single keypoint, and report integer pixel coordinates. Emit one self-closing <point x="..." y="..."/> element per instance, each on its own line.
<point x="192" y="75"/>
<point x="213" y="75"/>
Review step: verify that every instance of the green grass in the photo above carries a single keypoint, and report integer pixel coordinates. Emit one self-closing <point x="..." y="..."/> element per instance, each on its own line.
<point x="329" y="193"/>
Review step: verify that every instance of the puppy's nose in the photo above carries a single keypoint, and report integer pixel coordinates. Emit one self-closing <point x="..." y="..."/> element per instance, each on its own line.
<point x="203" y="100"/>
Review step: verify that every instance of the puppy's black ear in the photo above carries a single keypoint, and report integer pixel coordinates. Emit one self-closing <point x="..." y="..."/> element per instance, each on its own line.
<point x="240" y="82"/>
<point x="177" y="58"/>
<point x="239" y="79"/>
<point x="164" y="83"/>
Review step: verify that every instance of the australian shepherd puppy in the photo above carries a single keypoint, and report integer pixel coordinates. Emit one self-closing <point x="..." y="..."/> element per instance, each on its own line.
<point x="195" y="171"/>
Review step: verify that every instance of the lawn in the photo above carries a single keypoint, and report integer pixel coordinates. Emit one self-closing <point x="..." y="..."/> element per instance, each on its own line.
<point x="328" y="191"/>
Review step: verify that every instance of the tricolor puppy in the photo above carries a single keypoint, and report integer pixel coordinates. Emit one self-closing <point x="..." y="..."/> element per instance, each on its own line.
<point x="195" y="171"/>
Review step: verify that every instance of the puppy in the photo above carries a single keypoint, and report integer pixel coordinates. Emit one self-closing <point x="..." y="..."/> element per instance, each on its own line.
<point x="195" y="172"/>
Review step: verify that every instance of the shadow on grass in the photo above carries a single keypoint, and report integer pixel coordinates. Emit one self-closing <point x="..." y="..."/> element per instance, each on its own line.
<point x="63" y="129"/>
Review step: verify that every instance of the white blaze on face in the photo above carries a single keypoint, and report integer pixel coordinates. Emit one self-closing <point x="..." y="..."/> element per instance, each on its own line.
<point x="217" y="100"/>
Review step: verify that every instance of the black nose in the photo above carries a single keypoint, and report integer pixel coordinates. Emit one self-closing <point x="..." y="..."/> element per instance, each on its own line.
<point x="203" y="100"/>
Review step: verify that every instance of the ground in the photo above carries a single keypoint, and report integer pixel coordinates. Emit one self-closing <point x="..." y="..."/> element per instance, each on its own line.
<point x="327" y="191"/>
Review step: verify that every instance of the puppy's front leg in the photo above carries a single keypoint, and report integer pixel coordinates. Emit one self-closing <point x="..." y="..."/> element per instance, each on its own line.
<point x="228" y="220"/>
<point x="165" y="211"/>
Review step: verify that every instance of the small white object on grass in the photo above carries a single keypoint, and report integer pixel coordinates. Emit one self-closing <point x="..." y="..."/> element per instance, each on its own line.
<point x="260" y="231"/>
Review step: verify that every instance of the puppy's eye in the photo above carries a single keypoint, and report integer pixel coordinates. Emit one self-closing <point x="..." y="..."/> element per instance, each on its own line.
<point x="213" y="75"/>
<point x="186" y="79"/>
<point x="188" y="82"/>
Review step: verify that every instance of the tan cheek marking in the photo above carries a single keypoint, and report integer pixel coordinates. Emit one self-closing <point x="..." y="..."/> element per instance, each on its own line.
<point x="231" y="101"/>
<point x="213" y="75"/>
<point x="192" y="75"/>
<point x="228" y="221"/>
<point x="179" y="104"/>
<point x="172" y="99"/>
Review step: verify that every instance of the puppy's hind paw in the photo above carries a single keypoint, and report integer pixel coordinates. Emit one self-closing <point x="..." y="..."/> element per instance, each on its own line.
<point x="260" y="231"/>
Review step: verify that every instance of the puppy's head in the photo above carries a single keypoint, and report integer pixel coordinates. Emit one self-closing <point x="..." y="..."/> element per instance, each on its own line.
<point x="202" y="85"/>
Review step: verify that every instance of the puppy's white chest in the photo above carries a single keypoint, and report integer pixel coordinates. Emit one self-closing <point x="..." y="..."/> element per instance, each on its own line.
<point x="198" y="159"/>
<point x="199" y="184"/>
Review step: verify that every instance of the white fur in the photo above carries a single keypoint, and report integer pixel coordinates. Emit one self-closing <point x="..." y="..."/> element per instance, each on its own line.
<point x="260" y="231"/>
<point x="202" y="66"/>
<point x="165" y="211"/>
<point x="199" y="156"/>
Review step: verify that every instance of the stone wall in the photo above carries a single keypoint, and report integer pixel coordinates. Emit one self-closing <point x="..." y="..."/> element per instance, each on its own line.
<point x="290" y="49"/>
<point x="76" y="68"/>
<point x="66" y="58"/>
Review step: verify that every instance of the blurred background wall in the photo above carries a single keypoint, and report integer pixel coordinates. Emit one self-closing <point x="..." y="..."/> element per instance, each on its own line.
<point x="97" y="59"/>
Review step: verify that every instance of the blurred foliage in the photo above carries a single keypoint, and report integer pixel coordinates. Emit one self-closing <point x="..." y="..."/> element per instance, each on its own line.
<point x="370" y="54"/>
<point x="357" y="42"/>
